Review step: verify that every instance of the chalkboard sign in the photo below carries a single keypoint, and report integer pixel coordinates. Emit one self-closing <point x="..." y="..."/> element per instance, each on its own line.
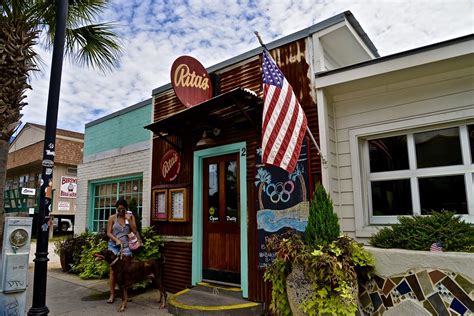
<point x="282" y="200"/>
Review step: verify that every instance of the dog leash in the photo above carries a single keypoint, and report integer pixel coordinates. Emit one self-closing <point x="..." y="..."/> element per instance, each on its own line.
<point x="118" y="257"/>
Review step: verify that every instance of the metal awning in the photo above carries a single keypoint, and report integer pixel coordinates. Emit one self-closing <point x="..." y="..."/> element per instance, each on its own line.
<point x="222" y="111"/>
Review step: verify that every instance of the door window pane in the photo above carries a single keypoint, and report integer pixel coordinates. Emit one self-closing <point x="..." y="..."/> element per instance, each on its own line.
<point x="392" y="197"/>
<point x="388" y="154"/>
<point x="470" y="131"/>
<point x="438" y="193"/>
<point x="213" y="193"/>
<point x="438" y="148"/>
<point x="231" y="194"/>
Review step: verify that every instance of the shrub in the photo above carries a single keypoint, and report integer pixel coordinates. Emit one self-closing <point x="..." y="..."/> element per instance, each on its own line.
<point x="323" y="226"/>
<point x="85" y="264"/>
<point x="72" y="247"/>
<point x="420" y="232"/>
<point x="331" y="262"/>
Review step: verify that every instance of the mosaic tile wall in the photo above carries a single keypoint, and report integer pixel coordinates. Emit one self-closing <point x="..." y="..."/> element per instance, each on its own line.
<point x="439" y="292"/>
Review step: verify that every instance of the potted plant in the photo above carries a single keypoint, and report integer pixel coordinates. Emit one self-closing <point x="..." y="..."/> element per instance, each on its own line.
<point x="317" y="273"/>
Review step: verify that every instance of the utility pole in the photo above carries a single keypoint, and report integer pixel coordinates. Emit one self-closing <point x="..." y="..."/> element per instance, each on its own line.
<point x="41" y="256"/>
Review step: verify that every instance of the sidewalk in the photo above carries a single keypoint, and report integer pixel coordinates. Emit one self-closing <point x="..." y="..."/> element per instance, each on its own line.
<point x="67" y="294"/>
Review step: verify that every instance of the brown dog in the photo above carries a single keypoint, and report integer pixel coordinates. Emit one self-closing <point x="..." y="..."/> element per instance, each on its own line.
<point x="128" y="272"/>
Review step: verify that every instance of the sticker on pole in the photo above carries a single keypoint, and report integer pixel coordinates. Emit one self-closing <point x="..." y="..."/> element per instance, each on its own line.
<point x="48" y="163"/>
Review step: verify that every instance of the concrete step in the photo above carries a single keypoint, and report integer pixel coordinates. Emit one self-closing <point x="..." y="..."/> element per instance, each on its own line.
<point x="205" y="301"/>
<point x="219" y="289"/>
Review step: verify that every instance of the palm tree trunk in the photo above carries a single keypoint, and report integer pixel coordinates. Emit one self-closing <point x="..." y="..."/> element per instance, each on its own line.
<point x="303" y="187"/>
<point x="4" y="145"/>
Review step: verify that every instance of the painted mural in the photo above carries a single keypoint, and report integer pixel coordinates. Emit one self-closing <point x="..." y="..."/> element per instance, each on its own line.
<point x="282" y="200"/>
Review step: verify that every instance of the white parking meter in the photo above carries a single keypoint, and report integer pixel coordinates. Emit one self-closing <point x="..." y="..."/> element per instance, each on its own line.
<point x="14" y="265"/>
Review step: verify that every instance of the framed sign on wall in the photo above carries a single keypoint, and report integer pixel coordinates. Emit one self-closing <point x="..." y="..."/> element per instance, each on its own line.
<point x="160" y="205"/>
<point x="178" y="210"/>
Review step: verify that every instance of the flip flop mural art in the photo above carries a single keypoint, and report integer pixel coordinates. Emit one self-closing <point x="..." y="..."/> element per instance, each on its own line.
<point x="282" y="200"/>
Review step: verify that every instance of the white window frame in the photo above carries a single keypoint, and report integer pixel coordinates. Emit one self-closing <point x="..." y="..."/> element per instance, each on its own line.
<point x="413" y="174"/>
<point x="366" y="225"/>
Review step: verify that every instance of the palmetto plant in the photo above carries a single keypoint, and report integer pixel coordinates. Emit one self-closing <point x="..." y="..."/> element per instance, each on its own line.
<point x="26" y="23"/>
<point x="298" y="174"/>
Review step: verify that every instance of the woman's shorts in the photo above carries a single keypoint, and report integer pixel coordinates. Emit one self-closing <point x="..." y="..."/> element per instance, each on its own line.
<point x="112" y="246"/>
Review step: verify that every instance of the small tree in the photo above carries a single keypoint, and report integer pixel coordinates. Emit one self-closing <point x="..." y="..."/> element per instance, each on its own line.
<point x="323" y="225"/>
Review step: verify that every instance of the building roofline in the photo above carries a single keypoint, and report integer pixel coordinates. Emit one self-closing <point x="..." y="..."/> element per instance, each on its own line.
<point x="120" y="112"/>
<point x="288" y="39"/>
<point x="410" y="52"/>
<point x="59" y="131"/>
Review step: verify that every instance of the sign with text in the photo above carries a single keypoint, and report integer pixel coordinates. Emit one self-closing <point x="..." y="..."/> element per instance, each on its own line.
<point x="170" y="165"/>
<point x="28" y="191"/>
<point x="68" y="187"/>
<point x="190" y="81"/>
<point x="282" y="200"/>
<point x="64" y="206"/>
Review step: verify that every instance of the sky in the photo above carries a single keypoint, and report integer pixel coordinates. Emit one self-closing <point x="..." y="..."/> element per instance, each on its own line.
<point x="155" y="33"/>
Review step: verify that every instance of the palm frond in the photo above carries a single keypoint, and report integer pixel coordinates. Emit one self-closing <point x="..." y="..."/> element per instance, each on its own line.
<point x="94" y="46"/>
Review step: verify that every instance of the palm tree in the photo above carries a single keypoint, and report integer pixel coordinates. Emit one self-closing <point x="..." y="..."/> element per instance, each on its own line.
<point x="23" y="24"/>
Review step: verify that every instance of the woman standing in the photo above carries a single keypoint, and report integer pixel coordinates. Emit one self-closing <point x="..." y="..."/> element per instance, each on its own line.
<point x="119" y="226"/>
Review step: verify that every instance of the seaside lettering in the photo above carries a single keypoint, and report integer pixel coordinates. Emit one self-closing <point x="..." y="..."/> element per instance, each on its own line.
<point x="167" y="165"/>
<point x="183" y="78"/>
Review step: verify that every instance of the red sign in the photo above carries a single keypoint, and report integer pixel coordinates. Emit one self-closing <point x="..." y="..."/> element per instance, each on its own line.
<point x="170" y="165"/>
<point x="190" y="81"/>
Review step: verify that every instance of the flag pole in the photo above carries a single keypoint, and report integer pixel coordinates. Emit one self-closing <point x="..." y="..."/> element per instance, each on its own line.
<point x="323" y="159"/>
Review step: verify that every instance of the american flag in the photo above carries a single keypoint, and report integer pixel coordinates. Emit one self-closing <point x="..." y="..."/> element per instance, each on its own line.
<point x="284" y="123"/>
<point x="436" y="246"/>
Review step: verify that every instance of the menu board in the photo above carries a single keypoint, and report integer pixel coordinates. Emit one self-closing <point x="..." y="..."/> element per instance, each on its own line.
<point x="160" y="205"/>
<point x="178" y="210"/>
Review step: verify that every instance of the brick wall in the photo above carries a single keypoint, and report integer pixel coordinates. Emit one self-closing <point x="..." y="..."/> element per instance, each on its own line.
<point x="67" y="152"/>
<point x="25" y="156"/>
<point x="114" y="167"/>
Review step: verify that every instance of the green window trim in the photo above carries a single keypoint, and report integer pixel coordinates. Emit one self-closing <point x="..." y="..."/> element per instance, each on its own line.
<point x="97" y="216"/>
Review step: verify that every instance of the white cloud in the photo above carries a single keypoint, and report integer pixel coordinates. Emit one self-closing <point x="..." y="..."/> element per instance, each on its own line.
<point x="155" y="33"/>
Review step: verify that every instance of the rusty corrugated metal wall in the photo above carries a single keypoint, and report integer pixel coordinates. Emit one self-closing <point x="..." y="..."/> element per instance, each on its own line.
<point x="291" y="59"/>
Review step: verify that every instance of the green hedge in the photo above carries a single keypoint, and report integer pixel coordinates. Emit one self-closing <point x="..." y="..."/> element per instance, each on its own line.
<point x="420" y="232"/>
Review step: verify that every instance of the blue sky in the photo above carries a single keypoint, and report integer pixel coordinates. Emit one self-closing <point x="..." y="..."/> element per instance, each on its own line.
<point x="155" y="33"/>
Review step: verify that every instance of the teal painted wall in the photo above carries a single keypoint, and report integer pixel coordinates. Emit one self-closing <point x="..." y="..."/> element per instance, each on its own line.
<point x="118" y="131"/>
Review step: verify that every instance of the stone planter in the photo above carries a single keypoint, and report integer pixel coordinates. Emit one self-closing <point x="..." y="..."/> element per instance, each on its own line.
<point x="298" y="289"/>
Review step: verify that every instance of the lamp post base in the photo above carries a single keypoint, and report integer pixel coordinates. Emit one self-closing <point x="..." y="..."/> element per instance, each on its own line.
<point x="38" y="311"/>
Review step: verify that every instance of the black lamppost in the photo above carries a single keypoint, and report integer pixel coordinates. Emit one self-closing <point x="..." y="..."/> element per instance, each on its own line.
<point x="41" y="261"/>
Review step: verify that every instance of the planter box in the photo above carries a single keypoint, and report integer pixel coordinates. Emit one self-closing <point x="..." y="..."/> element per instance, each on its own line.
<point x="419" y="283"/>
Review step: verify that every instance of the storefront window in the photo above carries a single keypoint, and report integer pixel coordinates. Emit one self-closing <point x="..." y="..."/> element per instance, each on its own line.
<point x="420" y="171"/>
<point x="428" y="145"/>
<point x="107" y="194"/>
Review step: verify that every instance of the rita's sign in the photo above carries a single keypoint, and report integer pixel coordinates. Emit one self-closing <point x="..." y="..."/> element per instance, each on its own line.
<point x="190" y="81"/>
<point x="170" y="165"/>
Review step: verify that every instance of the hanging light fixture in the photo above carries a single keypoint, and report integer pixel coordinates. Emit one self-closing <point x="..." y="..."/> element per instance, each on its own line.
<point x="206" y="140"/>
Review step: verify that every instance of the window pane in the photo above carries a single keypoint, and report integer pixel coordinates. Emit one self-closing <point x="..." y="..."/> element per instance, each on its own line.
<point x="438" y="148"/>
<point x="470" y="131"/>
<point x="213" y="193"/>
<point x="231" y="194"/>
<point x="391" y="198"/>
<point x="438" y="193"/>
<point x="387" y="154"/>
